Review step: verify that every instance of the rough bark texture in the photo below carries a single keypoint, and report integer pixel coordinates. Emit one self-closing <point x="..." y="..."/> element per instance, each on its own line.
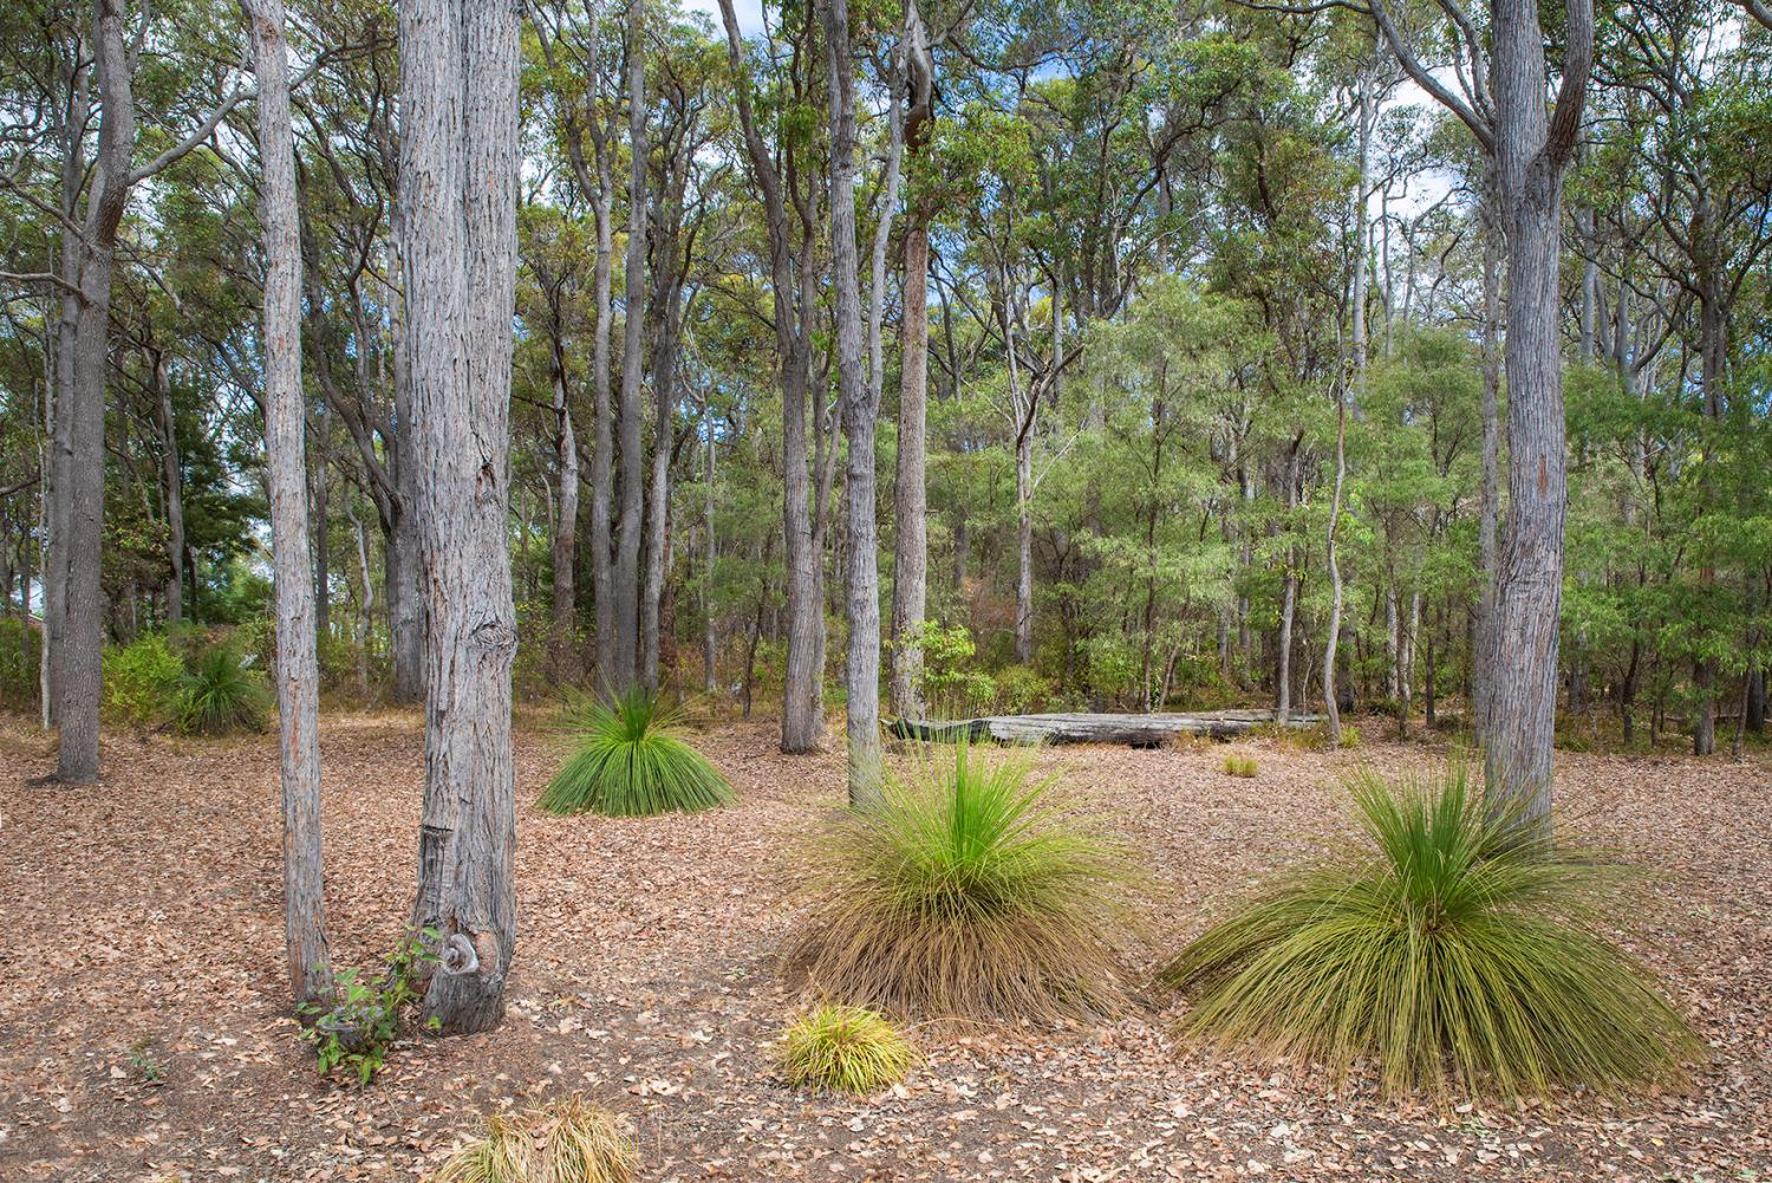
<point x="603" y="446"/>
<point x="297" y="672"/>
<point x="565" y="537"/>
<point x="802" y="722"/>
<point x="172" y="482"/>
<point x="80" y="415"/>
<point x="860" y="410"/>
<point x="1531" y="154"/>
<point x="458" y="190"/>
<point x="626" y="589"/>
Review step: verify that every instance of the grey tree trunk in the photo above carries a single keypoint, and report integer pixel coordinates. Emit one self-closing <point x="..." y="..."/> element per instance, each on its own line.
<point x="802" y="722"/>
<point x="172" y="482"/>
<point x="562" y="650"/>
<point x="1489" y="512"/>
<point x="860" y="410"/>
<point x="297" y="672"/>
<point x="603" y="446"/>
<point x="910" y="511"/>
<point x="710" y="555"/>
<point x="633" y="471"/>
<point x="458" y="192"/>
<point x="80" y="414"/>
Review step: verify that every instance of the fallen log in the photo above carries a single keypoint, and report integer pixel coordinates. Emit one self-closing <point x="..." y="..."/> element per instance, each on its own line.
<point x="1139" y="731"/>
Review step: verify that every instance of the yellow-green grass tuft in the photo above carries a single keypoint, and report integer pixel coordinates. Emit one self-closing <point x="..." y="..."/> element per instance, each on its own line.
<point x="1455" y="955"/>
<point x="844" y="1049"/>
<point x="633" y="762"/>
<point x="565" y="1141"/>
<point x="969" y="890"/>
<point x="1239" y="765"/>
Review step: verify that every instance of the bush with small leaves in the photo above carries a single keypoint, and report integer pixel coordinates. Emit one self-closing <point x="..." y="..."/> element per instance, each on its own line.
<point x="844" y="1049"/>
<point x="1460" y="954"/>
<point x="971" y="890"/>
<point x="632" y="762"/>
<point x="565" y="1141"/>
<point x="143" y="681"/>
<point x="365" y="1019"/>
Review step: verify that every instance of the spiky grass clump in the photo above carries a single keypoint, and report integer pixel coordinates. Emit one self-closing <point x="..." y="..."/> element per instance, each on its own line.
<point x="969" y="890"/>
<point x="632" y="762"/>
<point x="844" y="1049"/>
<point x="219" y="695"/>
<point x="1236" y="765"/>
<point x="1459" y="955"/>
<point x="567" y="1141"/>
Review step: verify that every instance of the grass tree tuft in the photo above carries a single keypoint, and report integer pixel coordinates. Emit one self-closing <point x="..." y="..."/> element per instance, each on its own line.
<point x="1452" y="956"/>
<point x="219" y="695"/>
<point x="844" y="1049"/>
<point x="972" y="890"/>
<point x="1239" y="765"/>
<point x="566" y="1141"/>
<point x="632" y="762"/>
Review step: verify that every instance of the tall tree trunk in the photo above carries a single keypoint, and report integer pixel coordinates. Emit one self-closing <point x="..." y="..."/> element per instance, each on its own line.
<point x="1489" y="508"/>
<point x="633" y="470"/>
<point x="802" y="723"/>
<point x="710" y="645"/>
<point x="172" y="486"/>
<point x="458" y="190"/>
<point x="365" y="601"/>
<point x="603" y="446"/>
<point x="80" y="415"/>
<point x="910" y="568"/>
<point x="297" y="673"/>
<point x="1288" y="597"/>
<point x="859" y="412"/>
<point x="664" y="392"/>
<point x="1532" y="151"/>
<point x="562" y="649"/>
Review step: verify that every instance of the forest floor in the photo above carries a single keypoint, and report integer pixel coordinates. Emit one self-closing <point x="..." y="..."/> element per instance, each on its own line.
<point x="142" y="935"/>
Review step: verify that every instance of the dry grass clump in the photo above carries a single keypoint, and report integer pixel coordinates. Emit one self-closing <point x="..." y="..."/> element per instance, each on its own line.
<point x="1239" y="765"/>
<point x="565" y="1141"/>
<point x="970" y="890"/>
<point x="844" y="1049"/>
<point x="1455" y="955"/>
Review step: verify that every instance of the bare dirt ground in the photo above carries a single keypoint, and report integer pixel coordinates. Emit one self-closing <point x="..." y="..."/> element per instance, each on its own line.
<point x="148" y="909"/>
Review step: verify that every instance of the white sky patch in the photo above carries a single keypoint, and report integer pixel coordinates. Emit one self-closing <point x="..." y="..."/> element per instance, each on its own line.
<point x="749" y="13"/>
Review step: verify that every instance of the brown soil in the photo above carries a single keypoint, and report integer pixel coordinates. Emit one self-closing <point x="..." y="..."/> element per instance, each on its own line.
<point x="148" y="909"/>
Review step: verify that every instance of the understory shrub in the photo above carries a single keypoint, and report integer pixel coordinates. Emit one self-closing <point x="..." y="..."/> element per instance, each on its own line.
<point x="844" y="1049"/>
<point x="565" y="1141"/>
<point x="219" y="694"/>
<point x="142" y="681"/>
<point x="1456" y="954"/>
<point x="366" y="1018"/>
<point x="632" y="762"/>
<point x="970" y="889"/>
<point x="1022" y="690"/>
<point x="19" y="657"/>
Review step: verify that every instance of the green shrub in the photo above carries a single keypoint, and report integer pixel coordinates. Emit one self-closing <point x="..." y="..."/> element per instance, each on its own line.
<point x="1445" y="958"/>
<point x="19" y="656"/>
<point x="219" y="695"/>
<point x="1021" y="690"/>
<point x="567" y="1141"/>
<point x="366" y="1018"/>
<point x="631" y="762"/>
<point x="143" y="680"/>
<point x="1236" y="765"/>
<point x="970" y="890"/>
<point x="844" y="1049"/>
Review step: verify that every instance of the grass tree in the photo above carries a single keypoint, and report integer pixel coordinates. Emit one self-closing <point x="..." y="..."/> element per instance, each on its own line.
<point x="971" y="889"/>
<point x="632" y="762"/>
<point x="1450" y="956"/>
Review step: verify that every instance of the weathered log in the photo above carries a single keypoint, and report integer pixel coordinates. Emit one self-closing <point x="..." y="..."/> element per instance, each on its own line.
<point x="1139" y="731"/>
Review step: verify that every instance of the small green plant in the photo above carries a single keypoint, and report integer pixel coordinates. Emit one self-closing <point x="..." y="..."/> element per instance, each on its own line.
<point x="1350" y="736"/>
<point x="1458" y="954"/>
<point x="142" y="681"/>
<point x="1022" y="691"/>
<point x="566" y="1141"/>
<point x="144" y="1065"/>
<point x="970" y="890"/>
<point x="1239" y="765"/>
<point x="844" y="1049"/>
<point x="946" y="682"/>
<point x="365" y="1019"/>
<point x="220" y="695"/>
<point x="633" y="762"/>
